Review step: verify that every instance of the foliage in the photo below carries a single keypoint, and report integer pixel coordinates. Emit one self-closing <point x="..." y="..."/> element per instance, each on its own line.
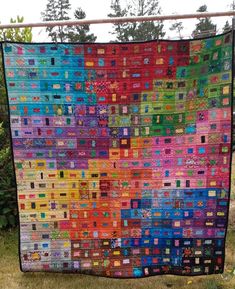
<point x="48" y="15"/>
<point x="8" y="206"/>
<point x="12" y="34"/>
<point x="227" y="27"/>
<point x="57" y="10"/>
<point x="3" y="95"/>
<point x="205" y="27"/>
<point x="178" y="26"/>
<point x="120" y="29"/>
<point x="80" y="33"/>
<point x="138" y="30"/>
<point x="17" y="34"/>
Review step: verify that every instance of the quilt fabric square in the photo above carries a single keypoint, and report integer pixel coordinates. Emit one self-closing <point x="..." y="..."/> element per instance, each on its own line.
<point x="122" y="155"/>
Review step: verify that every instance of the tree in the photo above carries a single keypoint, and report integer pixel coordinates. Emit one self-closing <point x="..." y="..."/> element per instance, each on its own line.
<point x="227" y="27"/>
<point x="8" y="204"/>
<point x="12" y="34"/>
<point x="232" y="6"/>
<point x="178" y="26"/>
<point x="17" y="34"/>
<point x="204" y="27"/>
<point x="120" y="29"/>
<point x="57" y="10"/>
<point x="48" y="15"/>
<point x="137" y="31"/>
<point x="80" y="33"/>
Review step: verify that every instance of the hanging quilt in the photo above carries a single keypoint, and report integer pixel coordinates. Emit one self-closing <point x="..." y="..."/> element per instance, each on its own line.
<point x="122" y="155"/>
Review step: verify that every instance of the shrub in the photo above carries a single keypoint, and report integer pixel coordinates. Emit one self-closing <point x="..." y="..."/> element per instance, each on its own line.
<point x="8" y="204"/>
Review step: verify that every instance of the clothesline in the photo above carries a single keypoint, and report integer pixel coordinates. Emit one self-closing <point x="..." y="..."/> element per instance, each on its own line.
<point x="115" y="20"/>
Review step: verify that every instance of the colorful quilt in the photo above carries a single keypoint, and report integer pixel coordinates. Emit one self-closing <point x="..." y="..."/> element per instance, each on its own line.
<point x="122" y="155"/>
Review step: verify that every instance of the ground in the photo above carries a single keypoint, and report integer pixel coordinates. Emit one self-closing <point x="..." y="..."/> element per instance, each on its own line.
<point x="12" y="278"/>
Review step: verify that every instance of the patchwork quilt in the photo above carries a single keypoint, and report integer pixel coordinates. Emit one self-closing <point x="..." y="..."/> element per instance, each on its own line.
<point x="122" y="155"/>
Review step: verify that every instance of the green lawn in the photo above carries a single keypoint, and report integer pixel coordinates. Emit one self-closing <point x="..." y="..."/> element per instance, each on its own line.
<point x="12" y="278"/>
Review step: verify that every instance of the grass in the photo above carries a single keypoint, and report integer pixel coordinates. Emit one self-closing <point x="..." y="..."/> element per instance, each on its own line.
<point x="12" y="278"/>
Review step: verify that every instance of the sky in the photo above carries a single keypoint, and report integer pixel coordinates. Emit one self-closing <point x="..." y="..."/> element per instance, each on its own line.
<point x="31" y="10"/>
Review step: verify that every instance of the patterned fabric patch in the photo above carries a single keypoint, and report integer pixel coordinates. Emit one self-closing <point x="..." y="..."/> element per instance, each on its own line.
<point x="122" y="155"/>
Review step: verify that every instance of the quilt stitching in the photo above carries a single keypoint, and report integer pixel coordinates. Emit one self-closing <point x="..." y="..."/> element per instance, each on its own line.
<point x="122" y="155"/>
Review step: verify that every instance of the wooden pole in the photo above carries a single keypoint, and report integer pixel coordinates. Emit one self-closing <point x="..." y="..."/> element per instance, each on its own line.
<point x="115" y="20"/>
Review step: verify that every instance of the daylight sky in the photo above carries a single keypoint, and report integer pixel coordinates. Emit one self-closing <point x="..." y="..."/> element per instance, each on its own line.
<point x="31" y="10"/>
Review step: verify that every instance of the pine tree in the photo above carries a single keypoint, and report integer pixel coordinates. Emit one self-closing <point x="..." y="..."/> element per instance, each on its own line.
<point x="204" y="27"/>
<point x="177" y="26"/>
<point x="48" y="15"/>
<point x="63" y="7"/>
<point x="57" y="10"/>
<point x="80" y="33"/>
<point x="227" y="27"/>
<point x="121" y="30"/>
<point x="138" y="30"/>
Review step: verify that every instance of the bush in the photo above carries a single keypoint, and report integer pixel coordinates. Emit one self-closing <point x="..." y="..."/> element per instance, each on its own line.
<point x="8" y="204"/>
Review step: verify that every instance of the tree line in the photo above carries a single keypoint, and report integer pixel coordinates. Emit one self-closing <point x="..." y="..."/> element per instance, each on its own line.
<point x="60" y="10"/>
